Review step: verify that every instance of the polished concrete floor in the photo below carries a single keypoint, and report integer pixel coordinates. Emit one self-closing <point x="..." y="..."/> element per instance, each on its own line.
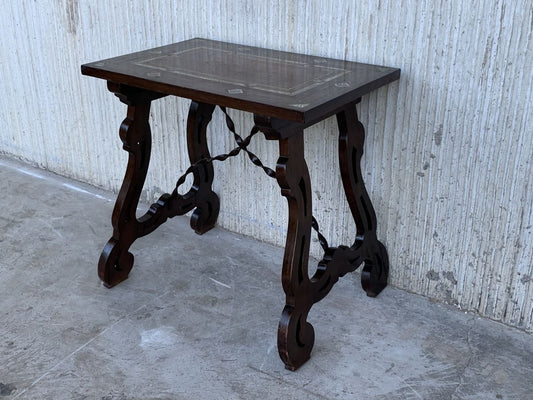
<point x="197" y="318"/>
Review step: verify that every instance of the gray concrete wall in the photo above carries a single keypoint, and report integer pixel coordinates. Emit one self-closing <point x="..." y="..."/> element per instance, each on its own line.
<point x="449" y="149"/>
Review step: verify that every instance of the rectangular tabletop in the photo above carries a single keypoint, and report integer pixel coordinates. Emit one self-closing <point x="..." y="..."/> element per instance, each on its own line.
<point x="289" y="86"/>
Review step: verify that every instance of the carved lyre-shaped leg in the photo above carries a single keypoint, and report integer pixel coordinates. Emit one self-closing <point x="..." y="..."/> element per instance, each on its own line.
<point x="207" y="202"/>
<point x="351" y="141"/>
<point x="116" y="261"/>
<point x="295" y="335"/>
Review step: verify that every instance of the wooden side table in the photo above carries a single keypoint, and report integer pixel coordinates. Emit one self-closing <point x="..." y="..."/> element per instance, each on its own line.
<point x="287" y="93"/>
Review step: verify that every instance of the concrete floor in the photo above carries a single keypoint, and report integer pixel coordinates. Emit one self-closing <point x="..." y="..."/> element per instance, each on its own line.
<point x="197" y="318"/>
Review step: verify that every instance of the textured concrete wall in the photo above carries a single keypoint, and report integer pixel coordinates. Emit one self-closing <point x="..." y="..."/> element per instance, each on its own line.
<point x="449" y="149"/>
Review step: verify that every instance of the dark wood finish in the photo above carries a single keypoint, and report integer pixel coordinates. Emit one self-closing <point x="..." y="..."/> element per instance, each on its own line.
<point x="287" y="93"/>
<point x="207" y="203"/>
<point x="295" y="334"/>
<point x="366" y="246"/>
<point x="288" y="86"/>
<point x="116" y="261"/>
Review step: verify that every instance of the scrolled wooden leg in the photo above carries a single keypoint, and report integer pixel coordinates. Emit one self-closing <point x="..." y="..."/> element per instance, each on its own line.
<point x="295" y="335"/>
<point x="351" y="141"/>
<point x="207" y="202"/>
<point x="116" y="261"/>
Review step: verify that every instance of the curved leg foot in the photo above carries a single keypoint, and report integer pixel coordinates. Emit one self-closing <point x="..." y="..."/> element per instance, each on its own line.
<point x="296" y="337"/>
<point x="207" y="202"/>
<point x="205" y="215"/>
<point x="114" y="265"/>
<point x="376" y="271"/>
